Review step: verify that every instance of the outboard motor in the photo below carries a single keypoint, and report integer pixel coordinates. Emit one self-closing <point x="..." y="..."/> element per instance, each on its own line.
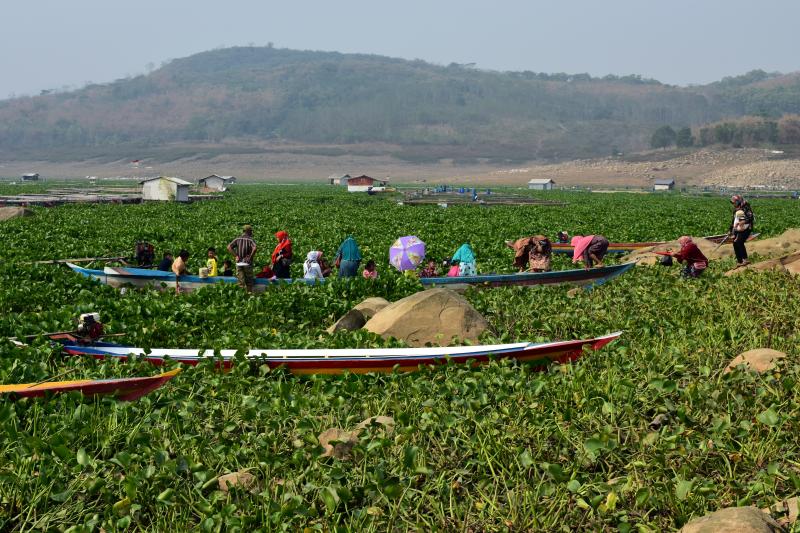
<point x="89" y="327"/>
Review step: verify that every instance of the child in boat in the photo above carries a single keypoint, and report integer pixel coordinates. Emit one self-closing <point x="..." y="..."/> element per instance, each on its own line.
<point x="211" y="262"/>
<point x="689" y="253"/>
<point x="166" y="262"/>
<point x="370" y="272"/>
<point x="266" y="273"/>
<point x="430" y="271"/>
<point x="179" y="268"/>
<point x="465" y="259"/>
<point x="227" y="268"/>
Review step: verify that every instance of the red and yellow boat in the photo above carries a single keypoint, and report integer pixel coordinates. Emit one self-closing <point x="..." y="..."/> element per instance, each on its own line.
<point x="123" y="388"/>
<point x="359" y="361"/>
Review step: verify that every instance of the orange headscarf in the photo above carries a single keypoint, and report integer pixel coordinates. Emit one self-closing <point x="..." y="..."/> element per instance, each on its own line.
<point x="284" y="246"/>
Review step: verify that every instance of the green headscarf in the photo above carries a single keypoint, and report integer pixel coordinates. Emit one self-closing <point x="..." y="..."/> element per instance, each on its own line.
<point x="348" y="250"/>
<point x="464" y="254"/>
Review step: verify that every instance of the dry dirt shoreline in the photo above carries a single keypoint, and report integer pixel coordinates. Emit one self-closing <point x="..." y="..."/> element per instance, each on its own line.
<point x="745" y="167"/>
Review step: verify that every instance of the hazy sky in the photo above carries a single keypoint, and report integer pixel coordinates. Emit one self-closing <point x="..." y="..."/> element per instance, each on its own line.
<point x="55" y="43"/>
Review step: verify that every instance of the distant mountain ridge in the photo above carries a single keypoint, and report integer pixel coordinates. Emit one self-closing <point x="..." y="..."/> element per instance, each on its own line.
<point x="257" y="93"/>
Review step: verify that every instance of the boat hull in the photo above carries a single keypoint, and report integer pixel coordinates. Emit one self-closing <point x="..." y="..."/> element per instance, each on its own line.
<point x="626" y="247"/>
<point x="591" y="277"/>
<point x="126" y="389"/>
<point x="119" y="277"/>
<point x="337" y="361"/>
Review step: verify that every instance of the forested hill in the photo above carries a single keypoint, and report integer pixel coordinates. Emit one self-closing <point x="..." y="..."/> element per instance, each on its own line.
<point x="331" y="98"/>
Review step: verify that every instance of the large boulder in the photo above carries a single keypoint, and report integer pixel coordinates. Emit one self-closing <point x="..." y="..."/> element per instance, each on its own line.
<point x="356" y="317"/>
<point x="370" y="306"/>
<point x="760" y="359"/>
<point x="351" y="321"/>
<point x="7" y="213"/>
<point x="733" y="520"/>
<point x="434" y="316"/>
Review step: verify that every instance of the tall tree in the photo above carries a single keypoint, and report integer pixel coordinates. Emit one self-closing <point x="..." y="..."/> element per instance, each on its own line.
<point x="663" y="137"/>
<point x="684" y="138"/>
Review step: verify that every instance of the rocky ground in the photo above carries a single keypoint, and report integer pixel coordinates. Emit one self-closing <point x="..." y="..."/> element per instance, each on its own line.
<point x="707" y="167"/>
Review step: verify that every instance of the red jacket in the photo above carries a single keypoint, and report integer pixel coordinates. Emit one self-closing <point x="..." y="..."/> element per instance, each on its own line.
<point x="690" y="253"/>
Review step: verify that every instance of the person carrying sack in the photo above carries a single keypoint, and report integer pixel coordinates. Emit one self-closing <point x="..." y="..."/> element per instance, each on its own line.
<point x="741" y="228"/>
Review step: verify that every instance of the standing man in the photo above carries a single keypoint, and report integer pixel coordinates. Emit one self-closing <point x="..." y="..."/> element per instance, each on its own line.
<point x="741" y="228"/>
<point x="243" y="248"/>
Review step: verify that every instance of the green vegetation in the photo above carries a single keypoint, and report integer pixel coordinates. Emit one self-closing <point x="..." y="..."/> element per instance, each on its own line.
<point x="255" y="94"/>
<point x="496" y="448"/>
<point x="663" y="137"/>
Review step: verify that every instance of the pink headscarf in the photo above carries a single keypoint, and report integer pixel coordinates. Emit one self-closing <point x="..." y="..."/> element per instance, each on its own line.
<point x="683" y="241"/>
<point x="579" y="245"/>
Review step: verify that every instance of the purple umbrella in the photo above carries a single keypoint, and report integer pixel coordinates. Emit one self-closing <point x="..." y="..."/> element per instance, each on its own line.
<point x="407" y="253"/>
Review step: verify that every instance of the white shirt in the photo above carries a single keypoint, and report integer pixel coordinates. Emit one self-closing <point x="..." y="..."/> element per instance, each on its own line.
<point x="312" y="272"/>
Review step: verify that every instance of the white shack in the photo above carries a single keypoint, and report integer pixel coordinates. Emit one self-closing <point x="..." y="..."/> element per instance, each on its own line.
<point x="165" y="189"/>
<point x="664" y="185"/>
<point x="31" y="176"/>
<point x="541" y="184"/>
<point x="217" y="183"/>
<point x="338" y="179"/>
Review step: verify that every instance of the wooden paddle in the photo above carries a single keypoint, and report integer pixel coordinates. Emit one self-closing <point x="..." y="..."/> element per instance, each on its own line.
<point x="722" y="242"/>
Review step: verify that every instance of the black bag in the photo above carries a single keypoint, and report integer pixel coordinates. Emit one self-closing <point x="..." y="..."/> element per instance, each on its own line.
<point x="666" y="260"/>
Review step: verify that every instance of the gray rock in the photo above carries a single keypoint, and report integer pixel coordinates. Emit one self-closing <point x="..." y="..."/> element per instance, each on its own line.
<point x="733" y="520"/>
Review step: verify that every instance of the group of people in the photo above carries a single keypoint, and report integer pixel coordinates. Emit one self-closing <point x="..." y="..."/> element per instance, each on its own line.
<point x="243" y="248"/>
<point x="534" y="252"/>
<point x="740" y="230"/>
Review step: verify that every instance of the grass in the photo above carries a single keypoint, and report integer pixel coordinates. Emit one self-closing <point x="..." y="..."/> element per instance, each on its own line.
<point x="642" y="435"/>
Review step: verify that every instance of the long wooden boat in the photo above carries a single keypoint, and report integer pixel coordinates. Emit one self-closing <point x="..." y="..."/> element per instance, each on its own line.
<point x="626" y="247"/>
<point x="119" y="277"/>
<point x="589" y="278"/>
<point x="359" y="361"/>
<point x="126" y="389"/>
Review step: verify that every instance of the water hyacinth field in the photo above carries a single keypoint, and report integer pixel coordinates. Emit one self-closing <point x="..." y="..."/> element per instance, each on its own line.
<point x="641" y="436"/>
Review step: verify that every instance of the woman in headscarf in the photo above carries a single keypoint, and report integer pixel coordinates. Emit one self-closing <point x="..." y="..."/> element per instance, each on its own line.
<point x="696" y="262"/>
<point x="313" y="268"/>
<point x="465" y="259"/>
<point x="535" y="252"/>
<point x="282" y="256"/>
<point x="348" y="258"/>
<point x="590" y="249"/>
<point x="741" y="228"/>
<point x="539" y="254"/>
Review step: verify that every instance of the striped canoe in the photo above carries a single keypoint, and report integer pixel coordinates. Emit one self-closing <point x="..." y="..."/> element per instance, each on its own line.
<point x="587" y="278"/>
<point x="119" y="277"/>
<point x="359" y="361"/>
